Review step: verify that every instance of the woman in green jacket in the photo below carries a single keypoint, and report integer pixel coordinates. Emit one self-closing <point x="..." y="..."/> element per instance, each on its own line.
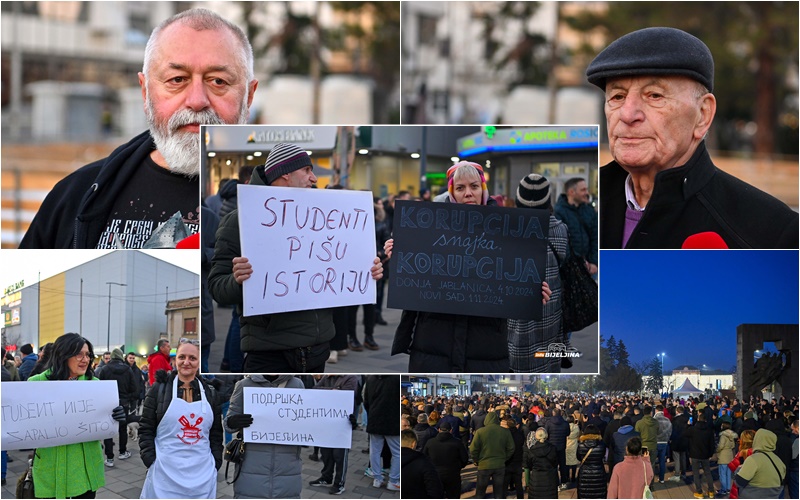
<point x="72" y="470"/>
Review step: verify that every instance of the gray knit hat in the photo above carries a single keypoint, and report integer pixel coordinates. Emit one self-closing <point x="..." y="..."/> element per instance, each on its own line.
<point x="533" y="192"/>
<point x="283" y="159"/>
<point x="654" y="51"/>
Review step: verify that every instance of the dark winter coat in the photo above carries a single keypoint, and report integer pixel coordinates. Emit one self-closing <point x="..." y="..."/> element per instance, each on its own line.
<point x="75" y="212"/>
<point x="452" y="343"/>
<point x="582" y="224"/>
<point x="447" y="454"/>
<point x="557" y="431"/>
<point x="263" y="332"/>
<point x="679" y="441"/>
<point x="701" y="440"/>
<point x="209" y="223"/>
<point x="228" y="196"/>
<point x="268" y="470"/>
<point x="621" y="438"/>
<point x="127" y="385"/>
<point x="419" y="478"/>
<point x="592" y="474"/>
<point x="694" y="198"/>
<point x="381" y="394"/>
<point x="519" y="448"/>
<point x="542" y="461"/>
<point x="26" y="367"/>
<point x="424" y="432"/>
<point x="155" y="406"/>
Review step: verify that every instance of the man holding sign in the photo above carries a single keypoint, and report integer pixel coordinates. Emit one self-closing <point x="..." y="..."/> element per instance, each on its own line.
<point x="288" y="340"/>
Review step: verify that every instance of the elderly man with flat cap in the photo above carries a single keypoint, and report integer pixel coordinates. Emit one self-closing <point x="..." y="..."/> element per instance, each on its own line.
<point x="662" y="189"/>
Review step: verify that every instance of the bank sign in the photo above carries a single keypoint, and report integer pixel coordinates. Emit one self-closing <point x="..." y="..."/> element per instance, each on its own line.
<point x="493" y="140"/>
<point x="245" y="138"/>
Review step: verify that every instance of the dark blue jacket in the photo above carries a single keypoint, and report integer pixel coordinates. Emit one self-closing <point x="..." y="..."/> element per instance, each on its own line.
<point x="582" y="224"/>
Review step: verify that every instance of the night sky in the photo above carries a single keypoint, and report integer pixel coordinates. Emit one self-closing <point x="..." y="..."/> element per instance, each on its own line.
<point x="688" y="304"/>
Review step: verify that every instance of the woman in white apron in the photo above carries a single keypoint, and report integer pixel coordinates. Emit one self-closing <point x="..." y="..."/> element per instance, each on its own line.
<point x="180" y="433"/>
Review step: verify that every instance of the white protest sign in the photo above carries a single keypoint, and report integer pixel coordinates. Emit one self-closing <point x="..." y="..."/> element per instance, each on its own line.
<point x="55" y="413"/>
<point x="309" y="248"/>
<point x="311" y="417"/>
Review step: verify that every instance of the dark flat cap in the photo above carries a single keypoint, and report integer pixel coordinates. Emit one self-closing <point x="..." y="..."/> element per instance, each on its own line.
<point x="654" y="51"/>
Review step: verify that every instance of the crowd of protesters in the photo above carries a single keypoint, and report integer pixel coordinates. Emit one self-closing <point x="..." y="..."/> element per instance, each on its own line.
<point x="605" y="446"/>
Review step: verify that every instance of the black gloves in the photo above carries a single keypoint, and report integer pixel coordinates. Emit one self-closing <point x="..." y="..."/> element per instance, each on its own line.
<point x="353" y="421"/>
<point x="119" y="414"/>
<point x="240" y="421"/>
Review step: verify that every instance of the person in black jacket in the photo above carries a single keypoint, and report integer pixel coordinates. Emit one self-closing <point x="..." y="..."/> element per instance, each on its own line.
<point x="592" y="471"/>
<point x="679" y="443"/>
<point x="128" y="389"/>
<point x="184" y="454"/>
<point x="557" y="431"/>
<point x="424" y="431"/>
<point x="541" y="461"/>
<point x="662" y="189"/>
<point x="512" y="480"/>
<point x="420" y="479"/>
<point x="120" y="201"/>
<point x="449" y="456"/>
<point x="382" y="404"/>
<point x="701" y="447"/>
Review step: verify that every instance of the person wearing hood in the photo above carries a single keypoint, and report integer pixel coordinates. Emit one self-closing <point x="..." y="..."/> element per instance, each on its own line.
<point x="621" y="437"/>
<point x="664" y="433"/>
<point x="725" y="448"/>
<point x="456" y="343"/>
<point x="159" y="360"/>
<point x="180" y="432"/>
<point x="281" y="342"/>
<point x="268" y="470"/>
<point x="647" y="427"/>
<point x="763" y="473"/>
<point x="701" y="448"/>
<point x="128" y="389"/>
<point x="784" y="442"/>
<point x="541" y="466"/>
<point x="492" y="446"/>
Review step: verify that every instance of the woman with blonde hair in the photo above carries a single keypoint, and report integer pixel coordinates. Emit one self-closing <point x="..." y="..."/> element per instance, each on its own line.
<point x="745" y="450"/>
<point x="541" y="465"/>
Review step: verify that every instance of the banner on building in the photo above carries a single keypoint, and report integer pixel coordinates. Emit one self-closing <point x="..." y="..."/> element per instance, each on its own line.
<point x="309" y="248"/>
<point x="309" y="417"/>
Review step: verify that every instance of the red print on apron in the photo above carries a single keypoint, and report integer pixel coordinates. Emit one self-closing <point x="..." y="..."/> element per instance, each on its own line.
<point x="191" y="433"/>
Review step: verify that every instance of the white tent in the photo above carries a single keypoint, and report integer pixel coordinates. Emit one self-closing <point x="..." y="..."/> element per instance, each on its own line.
<point x="686" y="388"/>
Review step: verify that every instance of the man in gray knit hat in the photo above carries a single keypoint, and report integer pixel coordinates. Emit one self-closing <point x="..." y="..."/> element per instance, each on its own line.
<point x="290" y="342"/>
<point x="662" y="189"/>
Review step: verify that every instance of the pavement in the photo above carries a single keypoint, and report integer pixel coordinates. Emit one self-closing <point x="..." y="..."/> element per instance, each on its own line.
<point x="126" y="478"/>
<point x="380" y="361"/>
<point x="670" y="489"/>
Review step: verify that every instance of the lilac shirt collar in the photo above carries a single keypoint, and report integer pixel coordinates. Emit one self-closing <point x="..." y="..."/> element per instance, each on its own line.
<point x="630" y="198"/>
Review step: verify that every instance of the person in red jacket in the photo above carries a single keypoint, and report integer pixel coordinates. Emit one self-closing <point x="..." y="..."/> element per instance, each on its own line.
<point x="159" y="360"/>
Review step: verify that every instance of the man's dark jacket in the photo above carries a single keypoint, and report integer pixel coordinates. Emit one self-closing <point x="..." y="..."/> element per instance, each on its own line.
<point x="557" y="431"/>
<point x="701" y="441"/>
<point x="75" y="213"/>
<point x="127" y="385"/>
<point x="381" y="394"/>
<point x="695" y="198"/>
<point x="263" y="332"/>
<point x="582" y="224"/>
<point x="447" y="454"/>
<point x="419" y="478"/>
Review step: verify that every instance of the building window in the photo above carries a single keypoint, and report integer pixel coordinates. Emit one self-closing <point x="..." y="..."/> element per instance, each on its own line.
<point x="427" y="29"/>
<point x="190" y="326"/>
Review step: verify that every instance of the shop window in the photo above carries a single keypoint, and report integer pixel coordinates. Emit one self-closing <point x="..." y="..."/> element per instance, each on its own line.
<point x="190" y="326"/>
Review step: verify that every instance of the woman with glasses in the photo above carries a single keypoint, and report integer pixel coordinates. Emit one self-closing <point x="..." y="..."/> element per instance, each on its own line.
<point x="72" y="470"/>
<point x="180" y="433"/>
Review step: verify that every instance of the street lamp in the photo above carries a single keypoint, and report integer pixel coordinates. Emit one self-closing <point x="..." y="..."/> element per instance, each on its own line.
<point x="662" y="368"/>
<point x="108" y="337"/>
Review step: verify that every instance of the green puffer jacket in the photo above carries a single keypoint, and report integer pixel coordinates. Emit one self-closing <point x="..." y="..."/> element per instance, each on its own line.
<point x="492" y="445"/>
<point x="266" y="332"/>
<point x="69" y="470"/>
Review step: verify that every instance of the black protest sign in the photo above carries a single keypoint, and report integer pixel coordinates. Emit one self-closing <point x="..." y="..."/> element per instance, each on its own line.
<point x="472" y="260"/>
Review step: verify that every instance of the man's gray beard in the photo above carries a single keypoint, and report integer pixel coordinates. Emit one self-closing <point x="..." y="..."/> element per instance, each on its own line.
<point x="181" y="150"/>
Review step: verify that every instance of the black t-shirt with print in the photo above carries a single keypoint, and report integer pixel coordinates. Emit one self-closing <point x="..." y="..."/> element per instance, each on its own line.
<point x="151" y="197"/>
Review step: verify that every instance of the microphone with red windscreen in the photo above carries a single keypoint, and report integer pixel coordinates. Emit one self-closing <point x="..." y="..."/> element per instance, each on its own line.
<point x="707" y="241"/>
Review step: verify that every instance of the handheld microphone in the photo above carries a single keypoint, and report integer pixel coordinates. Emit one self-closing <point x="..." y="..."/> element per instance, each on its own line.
<point x="707" y="241"/>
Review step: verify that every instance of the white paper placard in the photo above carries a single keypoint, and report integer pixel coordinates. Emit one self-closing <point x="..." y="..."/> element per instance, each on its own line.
<point x="309" y="248"/>
<point x="311" y="417"/>
<point x="55" y="413"/>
